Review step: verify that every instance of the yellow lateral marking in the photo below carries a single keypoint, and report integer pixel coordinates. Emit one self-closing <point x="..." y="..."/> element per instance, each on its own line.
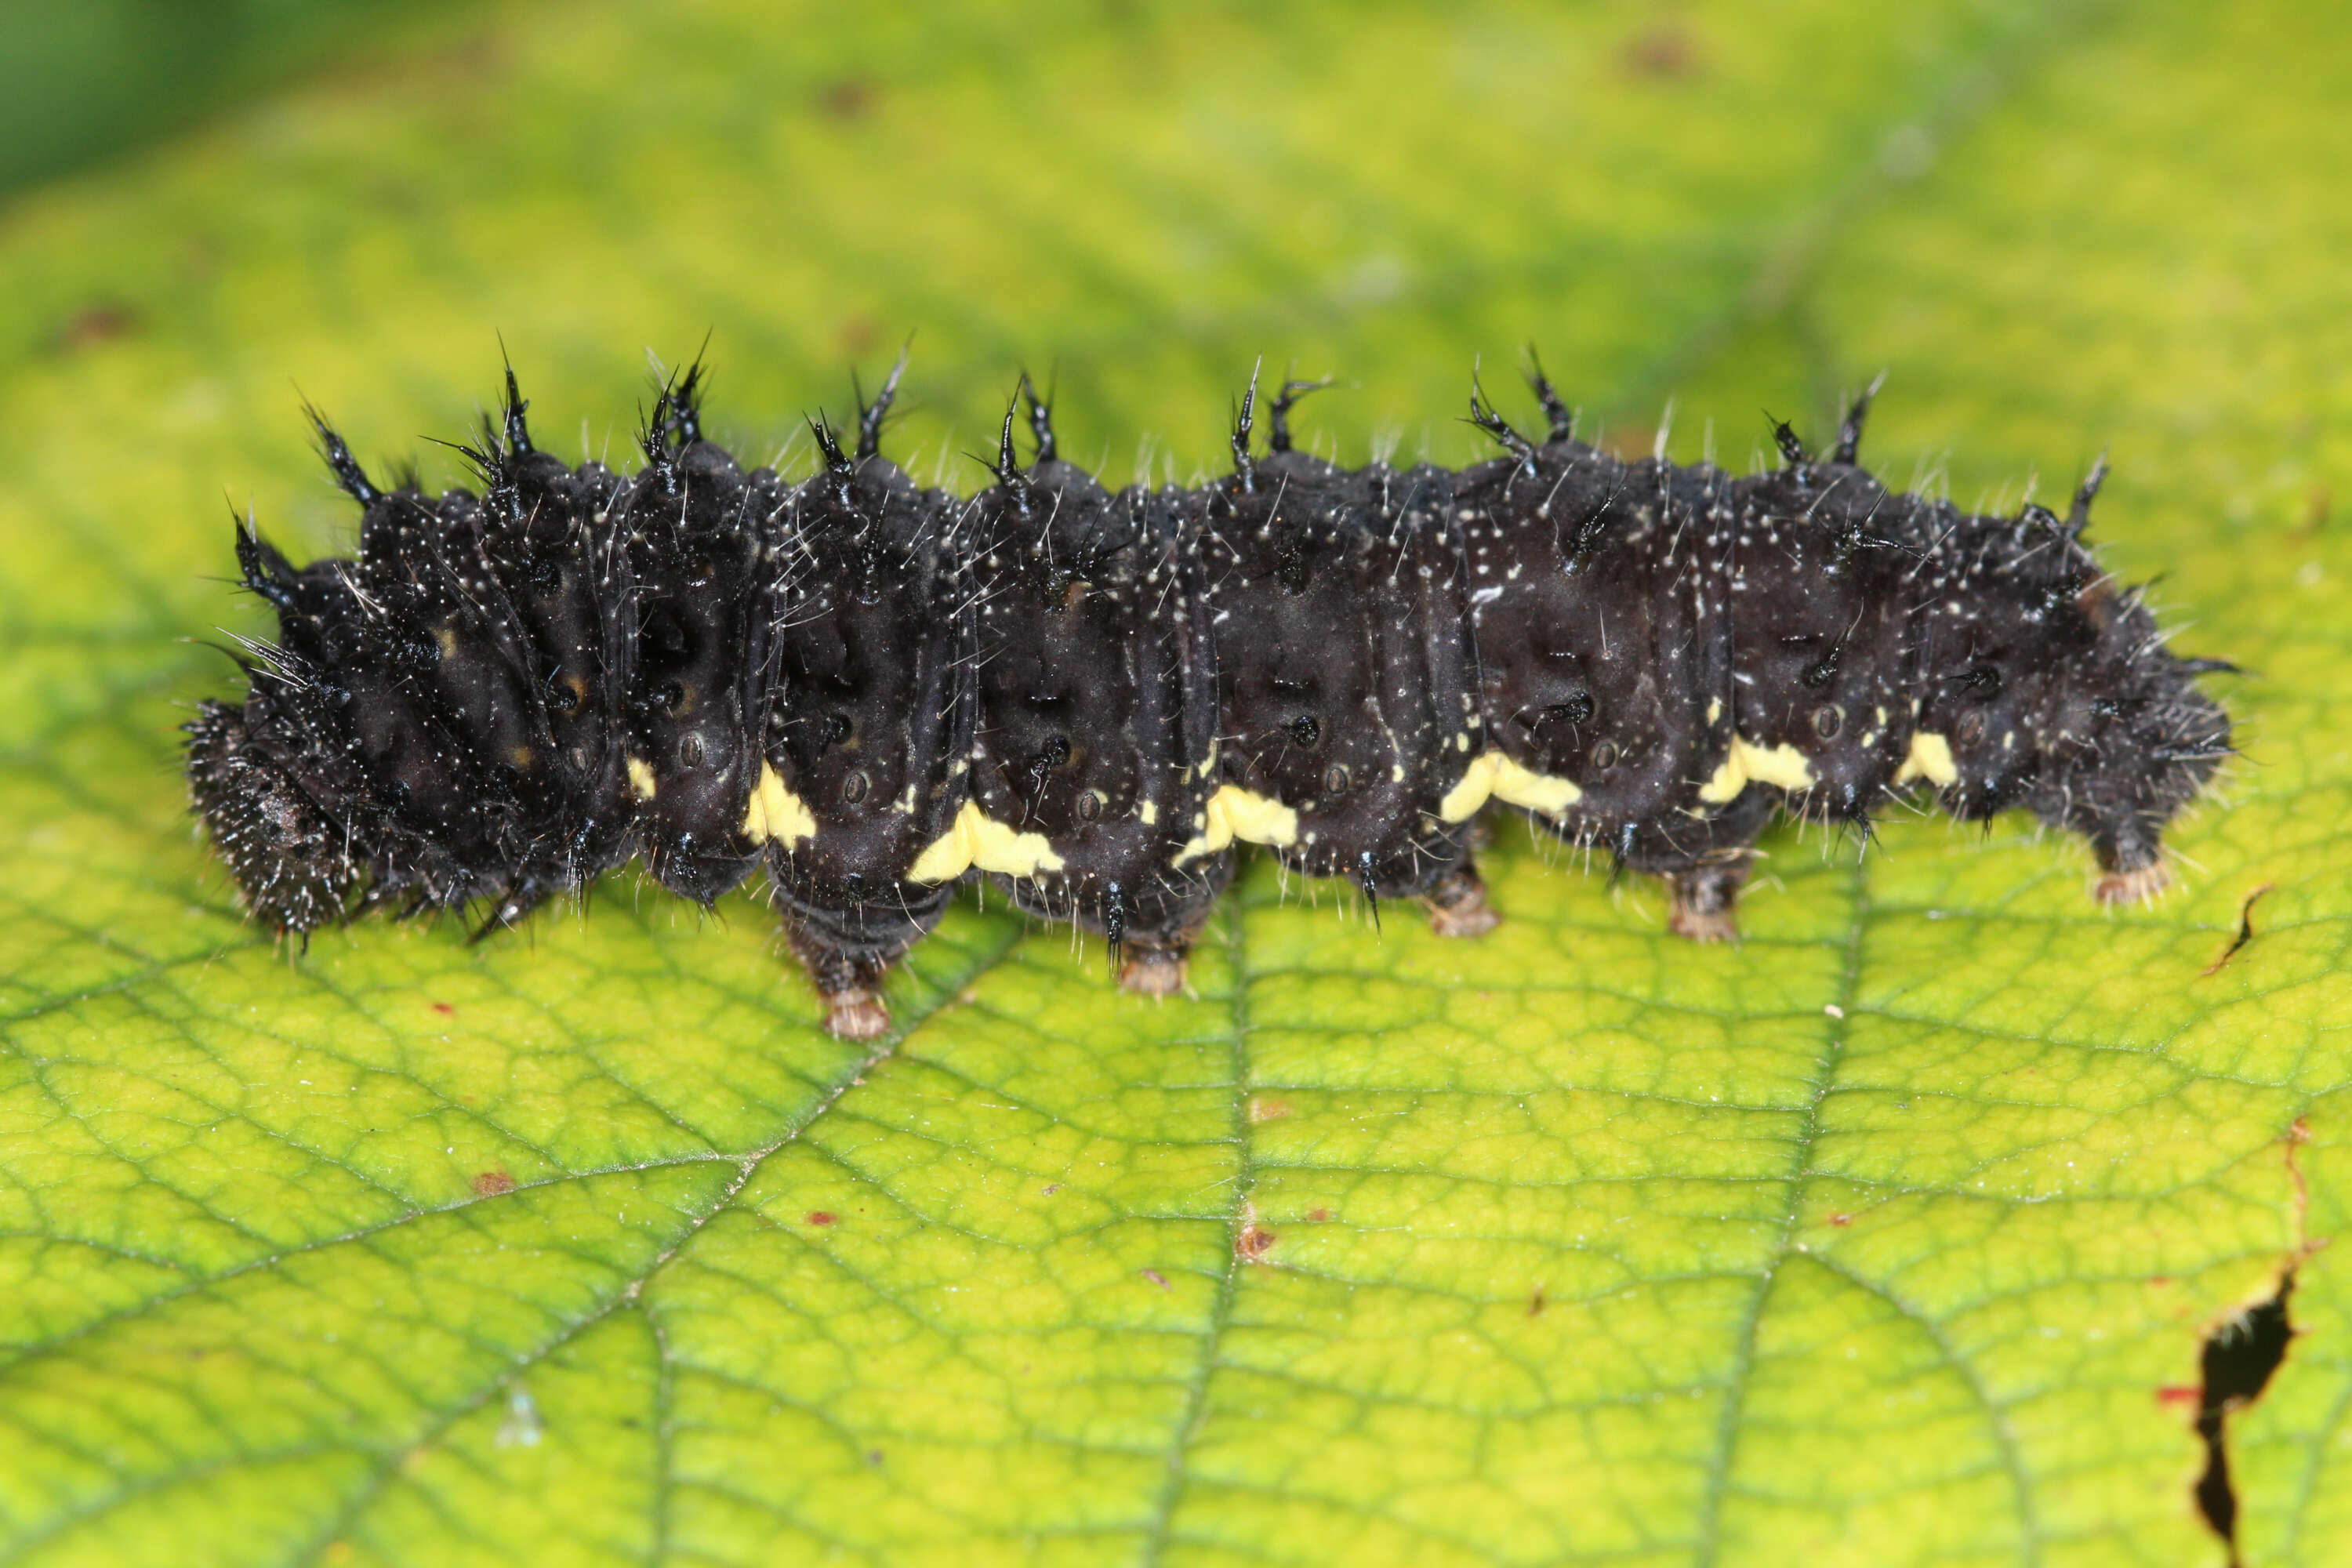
<point x="1516" y="785"/>
<point x="1236" y="813"/>
<point x="1463" y="801"/>
<point x="975" y="842"/>
<point x="1930" y="759"/>
<point x="1008" y="853"/>
<point x="945" y="858"/>
<point x="1783" y="766"/>
<point x="1494" y="776"/>
<point x="641" y="778"/>
<point x="777" y="815"/>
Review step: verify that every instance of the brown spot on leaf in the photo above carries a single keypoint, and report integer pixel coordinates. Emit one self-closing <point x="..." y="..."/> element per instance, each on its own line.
<point x="1269" y="1109"/>
<point x="858" y="335"/>
<point x="820" y="1217"/>
<point x="1253" y="1241"/>
<point x="96" y="323"/>
<point x="1629" y="443"/>
<point x="1536" y="1302"/>
<point x="2187" y="1394"/>
<point x="444" y="1009"/>
<point x="1664" y="49"/>
<point x="848" y="97"/>
<point x="1841" y="1219"/>
<point x="2316" y="506"/>
<point x="1318" y="1215"/>
<point x="490" y="1184"/>
<point x="1157" y="1278"/>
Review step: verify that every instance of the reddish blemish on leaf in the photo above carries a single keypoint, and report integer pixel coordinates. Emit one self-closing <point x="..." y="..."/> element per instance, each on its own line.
<point x="1664" y="50"/>
<point x="1841" y="1219"/>
<point x="819" y="1216"/>
<point x="1157" y="1278"/>
<point x="1318" y="1215"/>
<point x="1269" y="1109"/>
<point x="444" y="1008"/>
<point x="2185" y="1393"/>
<point x="2316" y="506"/>
<point x="490" y="1184"/>
<point x="106" y="320"/>
<point x="851" y="97"/>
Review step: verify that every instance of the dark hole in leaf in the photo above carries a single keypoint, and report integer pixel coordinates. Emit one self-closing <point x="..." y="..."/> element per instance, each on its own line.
<point x="2239" y="1357"/>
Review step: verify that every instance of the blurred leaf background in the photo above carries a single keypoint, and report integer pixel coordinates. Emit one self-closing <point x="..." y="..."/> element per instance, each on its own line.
<point x="1897" y="1235"/>
<point x="84" y="82"/>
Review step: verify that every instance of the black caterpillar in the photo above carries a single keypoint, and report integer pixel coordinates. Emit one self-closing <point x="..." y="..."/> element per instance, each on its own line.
<point x="876" y="688"/>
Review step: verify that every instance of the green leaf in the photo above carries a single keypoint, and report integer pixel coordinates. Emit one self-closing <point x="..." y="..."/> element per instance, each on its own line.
<point x="1890" y="1235"/>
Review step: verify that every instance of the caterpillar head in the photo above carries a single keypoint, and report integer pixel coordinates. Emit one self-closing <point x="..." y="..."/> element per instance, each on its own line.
<point x="2127" y="741"/>
<point x="2051" y="688"/>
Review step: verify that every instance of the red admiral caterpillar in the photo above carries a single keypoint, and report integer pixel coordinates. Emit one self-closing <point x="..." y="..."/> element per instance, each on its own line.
<point x="878" y="689"/>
